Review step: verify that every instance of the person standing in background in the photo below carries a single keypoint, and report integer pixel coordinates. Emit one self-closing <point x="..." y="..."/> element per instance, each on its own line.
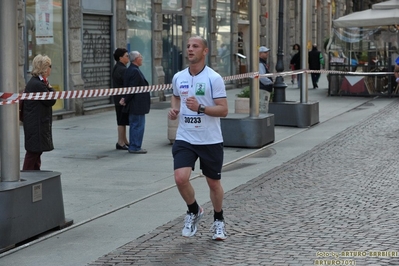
<point x="138" y="104"/>
<point x="296" y="62"/>
<point x="315" y="60"/>
<point x="198" y="101"/>
<point x="396" y="70"/>
<point x="265" y="83"/>
<point x="38" y="115"/>
<point x="295" y="50"/>
<point x="122" y="119"/>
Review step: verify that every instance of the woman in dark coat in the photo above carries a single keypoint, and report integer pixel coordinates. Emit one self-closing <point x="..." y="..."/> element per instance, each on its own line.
<point x="37" y="115"/>
<point x="296" y="62"/>
<point x="122" y="119"/>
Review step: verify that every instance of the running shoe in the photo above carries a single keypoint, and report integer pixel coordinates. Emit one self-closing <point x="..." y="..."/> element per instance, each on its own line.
<point x="219" y="231"/>
<point x="191" y="222"/>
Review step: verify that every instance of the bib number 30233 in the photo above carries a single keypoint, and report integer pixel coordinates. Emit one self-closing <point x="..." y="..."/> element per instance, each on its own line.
<point x="193" y="121"/>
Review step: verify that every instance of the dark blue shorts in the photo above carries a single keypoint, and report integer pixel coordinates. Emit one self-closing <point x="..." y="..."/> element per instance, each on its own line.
<point x="211" y="157"/>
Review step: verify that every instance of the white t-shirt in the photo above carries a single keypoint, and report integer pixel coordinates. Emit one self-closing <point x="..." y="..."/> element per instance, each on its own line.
<point x="205" y="86"/>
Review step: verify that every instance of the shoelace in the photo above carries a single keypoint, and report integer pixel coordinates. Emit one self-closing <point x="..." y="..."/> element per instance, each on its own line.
<point x="218" y="227"/>
<point x="188" y="221"/>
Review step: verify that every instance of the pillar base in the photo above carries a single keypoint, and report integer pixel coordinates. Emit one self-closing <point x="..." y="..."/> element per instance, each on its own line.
<point x="30" y="207"/>
<point x="240" y="130"/>
<point x="295" y="113"/>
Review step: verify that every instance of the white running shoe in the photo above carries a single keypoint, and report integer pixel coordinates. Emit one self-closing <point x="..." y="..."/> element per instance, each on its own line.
<point x="191" y="222"/>
<point x="219" y="232"/>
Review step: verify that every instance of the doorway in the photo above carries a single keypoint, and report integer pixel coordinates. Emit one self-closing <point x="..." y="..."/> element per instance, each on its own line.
<point x="97" y="63"/>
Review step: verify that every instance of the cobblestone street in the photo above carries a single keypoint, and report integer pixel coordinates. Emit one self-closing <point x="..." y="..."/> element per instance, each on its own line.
<point x="336" y="204"/>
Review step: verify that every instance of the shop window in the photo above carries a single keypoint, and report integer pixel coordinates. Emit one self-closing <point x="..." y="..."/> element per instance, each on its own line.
<point x="172" y="5"/>
<point x="223" y="36"/>
<point x="139" y="34"/>
<point x="172" y="45"/>
<point x="44" y="35"/>
<point x="199" y="13"/>
<point x="243" y="10"/>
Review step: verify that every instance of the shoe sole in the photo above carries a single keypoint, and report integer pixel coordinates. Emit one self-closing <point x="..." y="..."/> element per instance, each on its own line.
<point x="219" y="238"/>
<point x="138" y="152"/>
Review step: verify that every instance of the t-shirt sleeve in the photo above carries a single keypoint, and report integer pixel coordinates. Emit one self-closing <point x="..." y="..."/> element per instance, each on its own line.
<point x="219" y="88"/>
<point x="174" y="86"/>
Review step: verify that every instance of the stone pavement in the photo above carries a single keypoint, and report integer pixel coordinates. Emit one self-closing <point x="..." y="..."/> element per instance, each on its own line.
<point x="335" y="204"/>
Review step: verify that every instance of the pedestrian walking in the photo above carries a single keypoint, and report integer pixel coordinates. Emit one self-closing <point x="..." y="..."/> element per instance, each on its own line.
<point x="137" y="104"/>
<point x="122" y="119"/>
<point x="198" y="101"/>
<point x="38" y="115"/>
<point x="315" y="60"/>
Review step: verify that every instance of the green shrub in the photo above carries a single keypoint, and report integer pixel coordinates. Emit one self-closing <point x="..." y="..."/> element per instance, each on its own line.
<point x="244" y="93"/>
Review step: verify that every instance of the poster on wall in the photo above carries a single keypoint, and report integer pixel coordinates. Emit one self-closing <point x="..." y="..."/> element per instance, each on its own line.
<point x="44" y="22"/>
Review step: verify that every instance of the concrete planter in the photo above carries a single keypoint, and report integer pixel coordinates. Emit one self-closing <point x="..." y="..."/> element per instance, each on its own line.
<point x="241" y="105"/>
<point x="172" y="128"/>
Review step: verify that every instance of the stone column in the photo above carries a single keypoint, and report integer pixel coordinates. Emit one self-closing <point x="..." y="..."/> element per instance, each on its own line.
<point x="74" y="31"/>
<point x="158" y="76"/>
<point x="121" y="24"/>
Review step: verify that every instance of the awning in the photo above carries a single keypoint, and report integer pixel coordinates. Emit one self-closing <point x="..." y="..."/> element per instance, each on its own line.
<point x="381" y="14"/>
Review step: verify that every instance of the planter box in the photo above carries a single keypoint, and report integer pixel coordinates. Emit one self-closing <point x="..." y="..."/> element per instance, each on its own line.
<point x="239" y="130"/>
<point x="172" y="128"/>
<point x="241" y="106"/>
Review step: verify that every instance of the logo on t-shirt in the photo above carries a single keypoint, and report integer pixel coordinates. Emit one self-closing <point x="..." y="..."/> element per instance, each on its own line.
<point x="200" y="89"/>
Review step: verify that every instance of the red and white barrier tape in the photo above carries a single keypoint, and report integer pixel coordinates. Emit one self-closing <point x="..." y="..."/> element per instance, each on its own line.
<point x="12" y="98"/>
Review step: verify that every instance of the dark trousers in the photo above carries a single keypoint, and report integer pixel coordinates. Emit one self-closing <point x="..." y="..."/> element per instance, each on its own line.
<point x="315" y="79"/>
<point x="136" y="131"/>
<point x="32" y="161"/>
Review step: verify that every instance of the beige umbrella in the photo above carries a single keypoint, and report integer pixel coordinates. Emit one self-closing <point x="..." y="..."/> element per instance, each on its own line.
<point x="381" y="14"/>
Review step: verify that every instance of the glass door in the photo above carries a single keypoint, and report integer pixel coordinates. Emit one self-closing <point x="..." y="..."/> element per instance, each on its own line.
<point x="172" y="45"/>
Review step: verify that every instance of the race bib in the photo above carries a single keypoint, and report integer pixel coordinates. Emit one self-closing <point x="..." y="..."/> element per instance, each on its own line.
<point x="194" y="121"/>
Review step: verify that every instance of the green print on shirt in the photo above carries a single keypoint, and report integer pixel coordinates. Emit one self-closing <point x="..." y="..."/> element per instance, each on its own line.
<point x="200" y="89"/>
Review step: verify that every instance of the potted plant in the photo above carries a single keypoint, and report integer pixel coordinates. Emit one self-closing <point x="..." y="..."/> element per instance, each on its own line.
<point x="241" y="104"/>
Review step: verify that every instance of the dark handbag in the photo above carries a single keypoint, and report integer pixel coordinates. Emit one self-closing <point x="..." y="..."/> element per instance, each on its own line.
<point x="21" y="110"/>
<point x="125" y="109"/>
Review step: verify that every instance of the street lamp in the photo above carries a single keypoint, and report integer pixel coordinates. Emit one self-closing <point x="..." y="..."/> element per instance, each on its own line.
<point x="279" y="85"/>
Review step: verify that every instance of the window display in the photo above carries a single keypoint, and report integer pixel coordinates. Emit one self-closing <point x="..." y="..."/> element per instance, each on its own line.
<point x="139" y="33"/>
<point x="44" y="35"/>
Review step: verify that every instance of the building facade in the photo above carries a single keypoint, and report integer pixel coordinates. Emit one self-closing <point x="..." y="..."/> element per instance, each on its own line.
<point x="81" y="35"/>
